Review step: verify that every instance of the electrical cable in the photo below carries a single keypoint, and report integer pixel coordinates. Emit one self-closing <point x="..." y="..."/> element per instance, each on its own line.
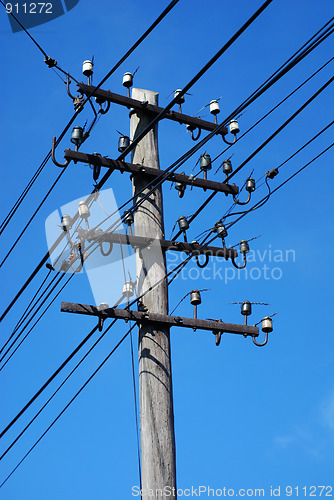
<point x="301" y="108"/>
<point x="115" y="67"/>
<point x="160" y="116"/>
<point x="243" y="106"/>
<point x="57" y="390"/>
<point x="31" y="218"/>
<point x="100" y="366"/>
<point x="283" y="183"/>
<point x="273" y="109"/>
<point x="19" y="324"/>
<point x="37" y="321"/>
<point x="44" y="386"/>
<point x="79" y="347"/>
<point x="24" y="315"/>
<point x="135" y="406"/>
<point x="260" y="203"/>
<point x="71" y="401"/>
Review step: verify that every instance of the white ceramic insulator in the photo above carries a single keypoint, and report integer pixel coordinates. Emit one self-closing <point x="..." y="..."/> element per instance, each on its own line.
<point x="214" y="108"/>
<point x="234" y="127"/>
<point x="128" y="80"/>
<point x="87" y="68"/>
<point x="83" y="210"/>
<point x="176" y="93"/>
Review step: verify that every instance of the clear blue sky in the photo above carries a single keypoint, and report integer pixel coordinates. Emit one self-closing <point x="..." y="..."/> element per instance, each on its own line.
<point x="245" y="417"/>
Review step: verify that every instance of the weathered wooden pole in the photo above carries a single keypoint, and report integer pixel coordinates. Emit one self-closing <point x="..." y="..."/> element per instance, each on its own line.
<point x="155" y="377"/>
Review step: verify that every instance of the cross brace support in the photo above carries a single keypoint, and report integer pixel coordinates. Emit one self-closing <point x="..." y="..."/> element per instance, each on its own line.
<point x="140" y="169"/>
<point x="162" y="319"/>
<point x="143" y="242"/>
<point x="151" y="108"/>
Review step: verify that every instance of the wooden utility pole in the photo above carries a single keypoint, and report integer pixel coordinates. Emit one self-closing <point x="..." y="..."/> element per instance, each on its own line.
<point x="155" y="376"/>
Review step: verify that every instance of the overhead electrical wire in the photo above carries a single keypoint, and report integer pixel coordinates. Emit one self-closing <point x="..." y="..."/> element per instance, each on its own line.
<point x="294" y="174"/>
<point x="272" y="110"/>
<point x="180" y="267"/>
<point x="36" y="322"/>
<point x="26" y="311"/>
<point x="285" y="182"/>
<point x="170" y="6"/>
<point x="176" y="270"/>
<point x="66" y="361"/>
<point x="260" y="203"/>
<point x="71" y="401"/>
<point x="150" y="126"/>
<point x="251" y="156"/>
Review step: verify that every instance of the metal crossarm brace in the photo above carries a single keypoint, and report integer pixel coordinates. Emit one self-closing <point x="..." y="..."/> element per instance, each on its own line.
<point x="142" y="317"/>
<point x="140" y="169"/>
<point x="142" y="242"/>
<point x="155" y="110"/>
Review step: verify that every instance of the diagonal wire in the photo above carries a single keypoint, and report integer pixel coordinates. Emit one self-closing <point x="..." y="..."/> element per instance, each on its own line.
<point x="70" y="402"/>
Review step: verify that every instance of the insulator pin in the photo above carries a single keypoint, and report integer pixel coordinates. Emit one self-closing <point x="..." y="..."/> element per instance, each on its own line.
<point x="220" y="229"/>
<point x="195" y="298"/>
<point x="227" y="167"/>
<point x="128" y="289"/>
<point x="77" y="136"/>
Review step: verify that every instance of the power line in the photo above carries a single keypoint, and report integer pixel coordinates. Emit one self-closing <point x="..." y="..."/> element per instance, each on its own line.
<point x="151" y="125"/>
<point x="115" y="67"/>
<point x="261" y="202"/>
<point x="262" y="90"/>
<point x="283" y="183"/>
<point x="70" y="402"/>
<point x="204" y="204"/>
<point x="76" y="350"/>
<point x="175" y="270"/>
<point x="273" y="109"/>
<point x="30" y="320"/>
<point x="57" y="390"/>
<point x="44" y="386"/>
<point x="25" y="313"/>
